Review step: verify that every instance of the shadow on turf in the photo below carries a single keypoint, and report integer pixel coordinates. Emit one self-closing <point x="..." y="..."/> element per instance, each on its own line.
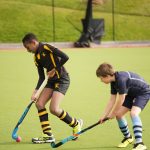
<point x="14" y="143"/>
<point x="69" y="148"/>
<point x="87" y="148"/>
<point x="98" y="147"/>
<point x="81" y="148"/>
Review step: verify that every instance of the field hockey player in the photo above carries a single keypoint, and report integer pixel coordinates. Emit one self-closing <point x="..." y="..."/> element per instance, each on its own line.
<point x="52" y="59"/>
<point x="133" y="95"/>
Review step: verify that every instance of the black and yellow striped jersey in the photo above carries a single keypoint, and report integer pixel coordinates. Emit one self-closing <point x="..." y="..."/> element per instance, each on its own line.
<point x="49" y="57"/>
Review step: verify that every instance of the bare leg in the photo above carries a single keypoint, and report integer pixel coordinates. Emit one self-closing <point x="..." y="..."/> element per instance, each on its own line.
<point x="44" y="98"/>
<point x="56" y="99"/>
<point x="121" y="112"/>
<point x="42" y="112"/>
<point x="55" y="109"/>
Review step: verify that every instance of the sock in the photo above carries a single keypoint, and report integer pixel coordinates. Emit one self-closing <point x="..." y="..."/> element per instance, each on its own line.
<point x="64" y="116"/>
<point x="43" y="116"/>
<point x="124" y="127"/>
<point x="137" y="128"/>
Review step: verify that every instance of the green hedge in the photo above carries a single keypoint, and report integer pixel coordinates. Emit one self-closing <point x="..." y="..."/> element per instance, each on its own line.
<point x="132" y="19"/>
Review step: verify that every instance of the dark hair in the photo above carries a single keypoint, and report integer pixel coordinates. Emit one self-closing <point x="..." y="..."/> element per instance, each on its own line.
<point x="29" y="37"/>
<point x="104" y="70"/>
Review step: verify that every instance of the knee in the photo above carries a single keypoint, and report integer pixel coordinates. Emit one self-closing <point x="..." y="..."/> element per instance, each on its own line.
<point x="118" y="116"/>
<point x="133" y="113"/>
<point x="54" y="111"/>
<point x="39" y="105"/>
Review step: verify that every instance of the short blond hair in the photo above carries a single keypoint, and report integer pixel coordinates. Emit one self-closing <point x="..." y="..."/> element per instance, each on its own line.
<point x="104" y="70"/>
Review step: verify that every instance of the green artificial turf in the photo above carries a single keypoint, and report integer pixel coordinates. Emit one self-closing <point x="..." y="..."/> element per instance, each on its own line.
<point x="86" y="98"/>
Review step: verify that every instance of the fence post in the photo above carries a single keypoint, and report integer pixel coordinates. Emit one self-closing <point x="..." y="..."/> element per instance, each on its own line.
<point x="53" y="19"/>
<point x="113" y="19"/>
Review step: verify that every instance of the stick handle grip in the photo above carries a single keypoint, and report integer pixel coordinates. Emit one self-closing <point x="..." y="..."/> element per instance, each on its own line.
<point x="41" y="87"/>
<point x="92" y="126"/>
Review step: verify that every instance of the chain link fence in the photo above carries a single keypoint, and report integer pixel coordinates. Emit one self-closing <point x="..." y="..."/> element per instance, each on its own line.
<point x="61" y="20"/>
<point x="124" y="20"/>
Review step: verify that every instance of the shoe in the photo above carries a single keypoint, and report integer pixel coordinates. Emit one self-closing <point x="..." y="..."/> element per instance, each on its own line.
<point x="77" y="128"/>
<point x="139" y="146"/>
<point x="44" y="139"/>
<point x="125" y="142"/>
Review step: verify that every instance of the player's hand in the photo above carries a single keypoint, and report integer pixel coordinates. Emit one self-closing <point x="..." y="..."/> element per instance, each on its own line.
<point x="103" y="119"/>
<point x="33" y="98"/>
<point x="51" y="73"/>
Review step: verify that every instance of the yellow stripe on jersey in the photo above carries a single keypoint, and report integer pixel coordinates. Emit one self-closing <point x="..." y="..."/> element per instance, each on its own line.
<point x="53" y="61"/>
<point x="47" y="48"/>
<point x="57" y="74"/>
<point x="35" y="61"/>
<point x="52" y="58"/>
<point x="38" y="56"/>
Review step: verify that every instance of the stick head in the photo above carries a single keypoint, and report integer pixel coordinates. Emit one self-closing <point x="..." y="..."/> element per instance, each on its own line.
<point x="53" y="145"/>
<point x="14" y="136"/>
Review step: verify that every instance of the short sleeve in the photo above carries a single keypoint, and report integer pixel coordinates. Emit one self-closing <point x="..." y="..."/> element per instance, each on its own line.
<point x="113" y="89"/>
<point x="122" y="86"/>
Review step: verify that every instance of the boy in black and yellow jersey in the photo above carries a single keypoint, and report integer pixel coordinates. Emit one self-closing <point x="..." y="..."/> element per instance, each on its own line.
<point x="52" y="59"/>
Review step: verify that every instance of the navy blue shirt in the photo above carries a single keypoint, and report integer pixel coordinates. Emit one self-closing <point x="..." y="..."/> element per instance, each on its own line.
<point x="129" y="83"/>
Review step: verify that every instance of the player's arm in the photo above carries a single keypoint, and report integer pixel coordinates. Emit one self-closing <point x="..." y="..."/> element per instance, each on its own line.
<point x="122" y="90"/>
<point x="62" y="56"/>
<point x="118" y="104"/>
<point x="108" y="107"/>
<point x="40" y="81"/>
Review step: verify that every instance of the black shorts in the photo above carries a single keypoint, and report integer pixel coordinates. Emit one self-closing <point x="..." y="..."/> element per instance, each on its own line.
<point x="61" y="85"/>
<point x="139" y="101"/>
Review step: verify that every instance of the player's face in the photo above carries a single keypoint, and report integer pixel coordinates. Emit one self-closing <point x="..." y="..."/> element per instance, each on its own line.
<point x="31" y="47"/>
<point x="106" y="79"/>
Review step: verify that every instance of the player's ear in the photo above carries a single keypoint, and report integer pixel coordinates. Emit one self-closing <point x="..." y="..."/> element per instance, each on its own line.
<point x="33" y="42"/>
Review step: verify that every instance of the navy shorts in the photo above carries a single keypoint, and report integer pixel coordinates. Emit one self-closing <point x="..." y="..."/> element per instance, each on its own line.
<point x="61" y="85"/>
<point x="139" y="101"/>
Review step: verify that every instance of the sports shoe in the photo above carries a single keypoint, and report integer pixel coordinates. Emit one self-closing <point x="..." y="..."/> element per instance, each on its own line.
<point x="139" y="146"/>
<point x="44" y="139"/>
<point x="77" y="128"/>
<point x="125" y="142"/>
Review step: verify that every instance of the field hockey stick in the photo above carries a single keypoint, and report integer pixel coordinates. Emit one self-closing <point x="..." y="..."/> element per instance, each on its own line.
<point x="14" y="133"/>
<point x="70" y="138"/>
